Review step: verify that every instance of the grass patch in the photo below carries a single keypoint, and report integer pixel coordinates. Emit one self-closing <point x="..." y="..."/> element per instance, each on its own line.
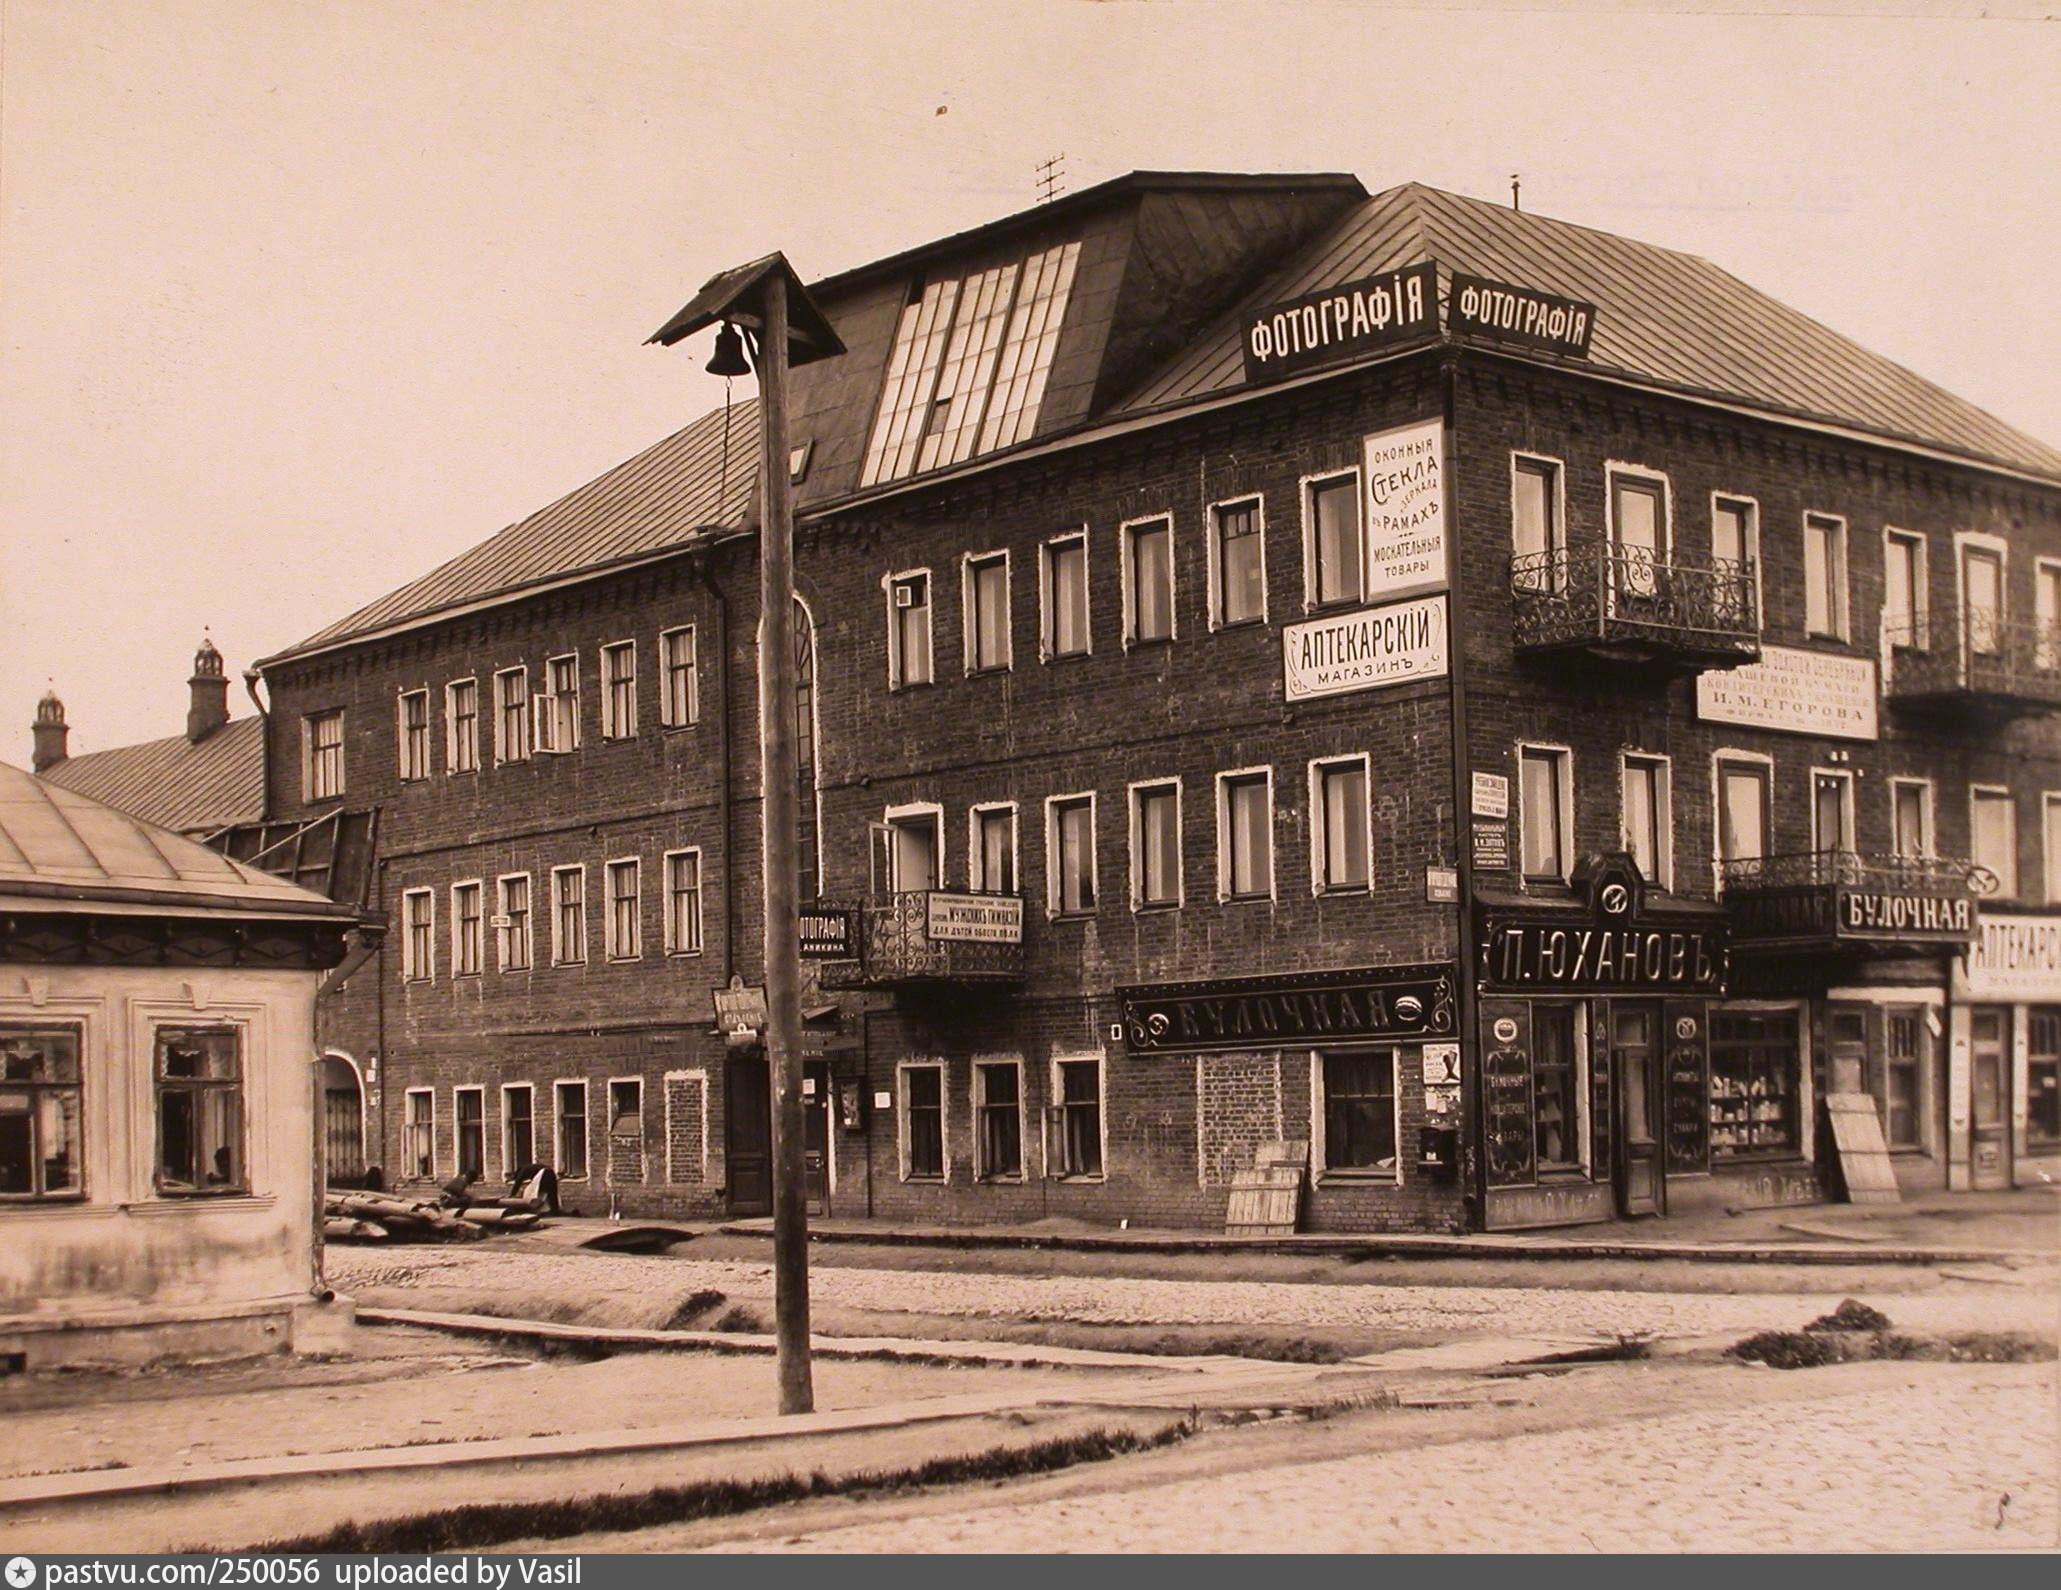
<point x="497" y="1523"/>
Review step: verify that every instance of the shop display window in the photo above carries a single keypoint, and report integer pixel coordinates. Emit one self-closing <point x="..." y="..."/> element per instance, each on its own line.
<point x="1755" y="1078"/>
<point x="2043" y="1079"/>
<point x="1555" y="1088"/>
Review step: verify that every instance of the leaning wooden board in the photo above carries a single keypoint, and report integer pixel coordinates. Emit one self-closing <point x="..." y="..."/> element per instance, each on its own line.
<point x="1863" y="1154"/>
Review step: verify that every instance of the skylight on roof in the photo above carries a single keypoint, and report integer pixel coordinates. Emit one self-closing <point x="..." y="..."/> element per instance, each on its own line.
<point x="969" y="366"/>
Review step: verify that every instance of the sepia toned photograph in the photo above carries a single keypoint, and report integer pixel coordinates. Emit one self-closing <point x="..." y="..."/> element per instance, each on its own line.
<point x="1052" y="777"/>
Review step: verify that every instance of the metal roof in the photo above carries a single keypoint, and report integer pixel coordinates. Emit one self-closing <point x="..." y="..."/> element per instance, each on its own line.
<point x="1664" y="318"/>
<point x="58" y="849"/>
<point x="698" y="479"/>
<point x="188" y="788"/>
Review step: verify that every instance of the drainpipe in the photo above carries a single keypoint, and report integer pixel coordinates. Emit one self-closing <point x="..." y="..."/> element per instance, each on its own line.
<point x="251" y="679"/>
<point x="722" y="607"/>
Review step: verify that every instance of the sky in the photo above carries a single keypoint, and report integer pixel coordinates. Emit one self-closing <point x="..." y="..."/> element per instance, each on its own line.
<point x="299" y="298"/>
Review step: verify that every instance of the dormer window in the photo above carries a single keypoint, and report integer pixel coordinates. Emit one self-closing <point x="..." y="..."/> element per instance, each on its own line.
<point x="970" y="361"/>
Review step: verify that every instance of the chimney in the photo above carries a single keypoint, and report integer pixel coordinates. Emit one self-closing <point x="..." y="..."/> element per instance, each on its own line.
<point x="51" y="733"/>
<point x="210" y="709"/>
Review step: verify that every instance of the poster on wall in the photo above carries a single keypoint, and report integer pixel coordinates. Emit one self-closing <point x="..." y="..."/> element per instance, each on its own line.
<point x="1406" y="509"/>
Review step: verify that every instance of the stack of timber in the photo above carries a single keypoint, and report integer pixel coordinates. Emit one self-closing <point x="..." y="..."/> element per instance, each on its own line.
<point x="382" y="1217"/>
<point x="1267" y="1200"/>
<point x="1864" y="1162"/>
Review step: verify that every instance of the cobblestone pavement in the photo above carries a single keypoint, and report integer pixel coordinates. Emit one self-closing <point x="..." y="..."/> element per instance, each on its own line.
<point x="1102" y="1300"/>
<point x="1958" y="1460"/>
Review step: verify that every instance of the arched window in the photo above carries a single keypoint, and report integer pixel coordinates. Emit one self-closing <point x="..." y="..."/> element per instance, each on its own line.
<point x="808" y="861"/>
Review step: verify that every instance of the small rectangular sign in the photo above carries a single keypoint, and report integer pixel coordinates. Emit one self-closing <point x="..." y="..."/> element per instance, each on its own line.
<point x="1491" y="795"/>
<point x="1442" y="885"/>
<point x="1390" y="645"/>
<point x="1796" y="691"/>
<point x="1353" y="317"/>
<point x="826" y="934"/>
<point x="1524" y="315"/>
<point x="1492" y="846"/>
<point x="974" y="918"/>
<point x="1405" y="509"/>
<point x="1441" y="1065"/>
<point x="741" y="1008"/>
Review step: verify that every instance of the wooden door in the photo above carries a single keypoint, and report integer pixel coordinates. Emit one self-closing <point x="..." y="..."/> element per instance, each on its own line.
<point x="1989" y="1076"/>
<point x="816" y="1134"/>
<point x="748" y="1135"/>
<point x="1636" y="1050"/>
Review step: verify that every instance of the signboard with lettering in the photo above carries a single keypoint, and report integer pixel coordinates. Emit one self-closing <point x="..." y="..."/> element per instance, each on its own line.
<point x="1339" y="322"/>
<point x="827" y="933"/>
<point x="741" y="1009"/>
<point x="1405" y="509"/>
<point x="974" y="918"/>
<point x="1688" y="1091"/>
<point x="1491" y="796"/>
<point x="1492" y="847"/>
<point x="1796" y="691"/>
<point x="2015" y="957"/>
<point x="1390" y="645"/>
<point x="1611" y="947"/>
<point x="1298" y="1009"/>
<point x="1822" y="913"/>
<point x="1441" y="885"/>
<point x="1508" y="1137"/>
<point x="1509" y="313"/>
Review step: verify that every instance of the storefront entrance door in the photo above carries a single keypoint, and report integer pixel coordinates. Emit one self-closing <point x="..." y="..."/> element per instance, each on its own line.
<point x="748" y="1135"/>
<point x="816" y="1134"/>
<point x="1990" y="1118"/>
<point x="1635" y="1050"/>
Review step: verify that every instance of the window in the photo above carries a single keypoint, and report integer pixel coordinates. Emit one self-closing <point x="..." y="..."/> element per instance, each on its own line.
<point x="512" y="715"/>
<point x="1065" y="592"/>
<point x="624" y="936"/>
<point x="1080" y="1117"/>
<point x="1982" y="601"/>
<point x="1155" y="845"/>
<point x="518" y="1127"/>
<point x="998" y="1106"/>
<point x="1545" y="792"/>
<point x="419" y="1131"/>
<point x="1538" y="531"/>
<point x="1903" y="1076"/>
<point x="626" y="1107"/>
<point x="1648" y="820"/>
<point x="1070" y="847"/>
<point x="2046" y="609"/>
<point x="1245" y="835"/>
<point x="991" y="850"/>
<point x="1556" y="1088"/>
<point x="1993" y="824"/>
<point x="923" y="1123"/>
<point x="2050" y="845"/>
<point x="908" y="630"/>
<point x="1831" y="812"/>
<point x="569" y="1102"/>
<point x="1743" y="807"/>
<point x="911" y="857"/>
<point x="461" y="725"/>
<point x="418" y="940"/>
<point x="679" y="682"/>
<point x="512" y="933"/>
<point x="558" y="708"/>
<point x="1149" y="580"/>
<point x="1735" y="531"/>
<point x="1342" y="835"/>
<point x="412" y="725"/>
<point x="969" y="365"/>
<point x="619" y="690"/>
<point x="1824" y="576"/>
<point x="1332" y="544"/>
<point x="1903" y="590"/>
<point x="469" y="1117"/>
<point x="1359" y="1110"/>
<point x="200" y="1111"/>
<point x="1237" y="541"/>
<point x="986" y="580"/>
<point x="42" y="1142"/>
<point x="1910" y="818"/>
<point x="1638" y="533"/>
<point x="2043" y="1078"/>
<point x="568" y="915"/>
<point x="683" y="902"/>
<point x="322" y="755"/>
<point x="468" y="930"/>
<point x="1755" y="1080"/>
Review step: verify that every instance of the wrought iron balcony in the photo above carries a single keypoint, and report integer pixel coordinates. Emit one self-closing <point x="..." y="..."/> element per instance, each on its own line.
<point x="921" y="936"/>
<point x="1840" y="899"/>
<point x="1973" y="658"/>
<point x="1626" y="603"/>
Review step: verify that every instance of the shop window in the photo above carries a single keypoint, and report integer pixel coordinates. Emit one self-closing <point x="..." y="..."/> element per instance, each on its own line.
<point x="1359" y="1111"/>
<point x="1538" y="533"/>
<point x="322" y="755"/>
<point x="923" y="1123"/>
<point x="1155" y="846"/>
<point x="1824" y="576"/>
<point x="1080" y="1118"/>
<point x="419" y="1134"/>
<point x="987" y="612"/>
<point x="518" y="1127"/>
<point x="1245" y="835"/>
<point x="1065" y="590"/>
<point x="200" y="1111"/>
<point x="619" y="690"/>
<point x="1755" y="1079"/>
<point x="1905" y="625"/>
<point x="461" y="720"/>
<point x="1903" y="1077"/>
<point x="512" y="715"/>
<point x="1556" y="1088"/>
<point x="1070" y="847"/>
<point x="1993" y="821"/>
<point x="1546" y="800"/>
<point x="908" y="630"/>
<point x="469" y="1115"/>
<point x="992" y="850"/>
<point x="1334" y="546"/>
<point x="1237" y="534"/>
<point x="41" y="1141"/>
<point x="468" y="929"/>
<point x="512" y="932"/>
<point x="679" y="677"/>
<point x="998" y="1100"/>
<point x="2043" y="1079"/>
<point x="569" y="1101"/>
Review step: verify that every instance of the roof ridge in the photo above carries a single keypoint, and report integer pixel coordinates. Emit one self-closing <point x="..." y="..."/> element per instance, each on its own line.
<point x="213" y="735"/>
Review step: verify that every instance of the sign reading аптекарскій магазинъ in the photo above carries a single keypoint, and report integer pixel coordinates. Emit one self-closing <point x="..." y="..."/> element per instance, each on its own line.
<point x="1353" y="317"/>
<point x="1388" y="645"/>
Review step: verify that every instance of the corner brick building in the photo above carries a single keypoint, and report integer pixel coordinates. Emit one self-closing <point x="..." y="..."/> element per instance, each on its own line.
<point x="1507" y="706"/>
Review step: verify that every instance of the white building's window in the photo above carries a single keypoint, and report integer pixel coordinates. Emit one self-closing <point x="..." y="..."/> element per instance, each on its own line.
<point x="1245" y="834"/>
<point x="513" y="932"/>
<point x="42" y="1133"/>
<point x="1342" y="836"/>
<point x="625" y="933"/>
<point x="683" y="902"/>
<point x="558" y="706"/>
<point x="412" y="726"/>
<point x="1545" y="793"/>
<point x="1064" y="589"/>
<point x="322" y="755"/>
<point x="1148" y="546"/>
<point x="1646" y="802"/>
<point x="568" y="915"/>
<point x="619" y="690"/>
<point x="986" y="579"/>
<point x="1070" y="855"/>
<point x="1238" y="561"/>
<point x="1824" y="576"/>
<point x="1993" y="825"/>
<point x="1155" y="845"/>
<point x="461" y="725"/>
<point x="908" y="629"/>
<point x="512" y="715"/>
<point x="679" y="677"/>
<point x="418" y="935"/>
<point x="468" y="929"/>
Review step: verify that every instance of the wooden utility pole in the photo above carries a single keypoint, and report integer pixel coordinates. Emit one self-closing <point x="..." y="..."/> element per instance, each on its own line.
<point x="780" y="845"/>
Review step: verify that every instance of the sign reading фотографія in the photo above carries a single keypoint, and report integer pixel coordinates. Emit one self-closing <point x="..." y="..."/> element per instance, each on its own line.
<point x="1509" y="313"/>
<point x="1334" y="324"/>
<point x="1388" y="645"/>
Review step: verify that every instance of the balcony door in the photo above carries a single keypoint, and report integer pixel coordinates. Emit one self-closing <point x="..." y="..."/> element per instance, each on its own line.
<point x="1831" y="822"/>
<point x="908" y="852"/>
<point x="1638" y="537"/>
<point x="1742" y="819"/>
<point x="1982" y="602"/>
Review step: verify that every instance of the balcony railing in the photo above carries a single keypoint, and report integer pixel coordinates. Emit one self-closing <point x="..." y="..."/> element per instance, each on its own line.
<point x="1625" y="601"/>
<point x="1973" y="657"/>
<point x="1841" y="899"/>
<point x="921" y="936"/>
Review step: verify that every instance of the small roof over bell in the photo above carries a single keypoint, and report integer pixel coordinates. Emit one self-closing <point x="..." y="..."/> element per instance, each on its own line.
<point x="738" y="295"/>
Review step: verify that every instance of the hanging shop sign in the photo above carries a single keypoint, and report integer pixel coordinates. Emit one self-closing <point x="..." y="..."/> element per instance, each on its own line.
<point x="1405" y="509"/>
<point x="1508" y="313"/>
<point x="1352" y="318"/>
<point x="1379" y="1002"/>
<point x="1795" y="691"/>
<point x="1390" y="645"/>
<point x="1442" y="885"/>
<point x="974" y="918"/>
<point x="827" y="934"/>
<point x="1609" y="944"/>
<point x="2015" y="957"/>
<point x="1820" y="914"/>
<point x="740" y="1008"/>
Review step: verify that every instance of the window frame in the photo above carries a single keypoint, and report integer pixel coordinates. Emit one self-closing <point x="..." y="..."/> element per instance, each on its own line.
<point x="1135" y="794"/>
<point x="1982" y="544"/>
<point x="903" y="1118"/>
<point x="1048" y="610"/>
<point x="1321" y="882"/>
<point x="611" y="939"/>
<point x="411" y="740"/>
<point x="1213" y="523"/>
<point x="2009" y="884"/>
<point x="503" y="704"/>
<point x="477" y="1090"/>
<point x="478" y="946"/>
<point x="1750" y="546"/>
<point x="315" y="787"/>
<point x="2050" y="850"/>
<point x="1127" y="568"/>
<point x="1522" y="462"/>
<point x="612" y="716"/>
<point x="670" y="715"/>
<point x="412" y="968"/>
<point x="676" y="941"/>
<point x="913" y="814"/>
<point x="1056" y="1076"/>
<point x="1054" y="890"/>
<point x="1849" y="814"/>
<point x="461" y="751"/>
<point x="1320" y="1104"/>
<point x="20" y="1028"/>
<point x="1918" y="634"/>
<point x="546" y="712"/>
<point x="1307" y="487"/>
<point x="1562" y="757"/>
<point x="983" y="1172"/>
<point x="504" y="932"/>
<point x="970" y="566"/>
<point x="509" y="1164"/>
<point x="558" y="956"/>
<point x="977" y="880"/>
<point x="427" y="1124"/>
<point x="1226" y="781"/>
<point x="162" y="1186"/>
<point x="1839" y="578"/>
<point x="1761" y="763"/>
<point x="899" y="676"/>
<point x="2046" y="613"/>
<point x="560" y="1087"/>
<point x="1619" y="473"/>
<point x="1928" y="832"/>
<point x="1663" y="877"/>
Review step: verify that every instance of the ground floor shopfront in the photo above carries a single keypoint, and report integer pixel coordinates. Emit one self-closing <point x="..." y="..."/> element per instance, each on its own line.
<point x="2004" y="1093"/>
